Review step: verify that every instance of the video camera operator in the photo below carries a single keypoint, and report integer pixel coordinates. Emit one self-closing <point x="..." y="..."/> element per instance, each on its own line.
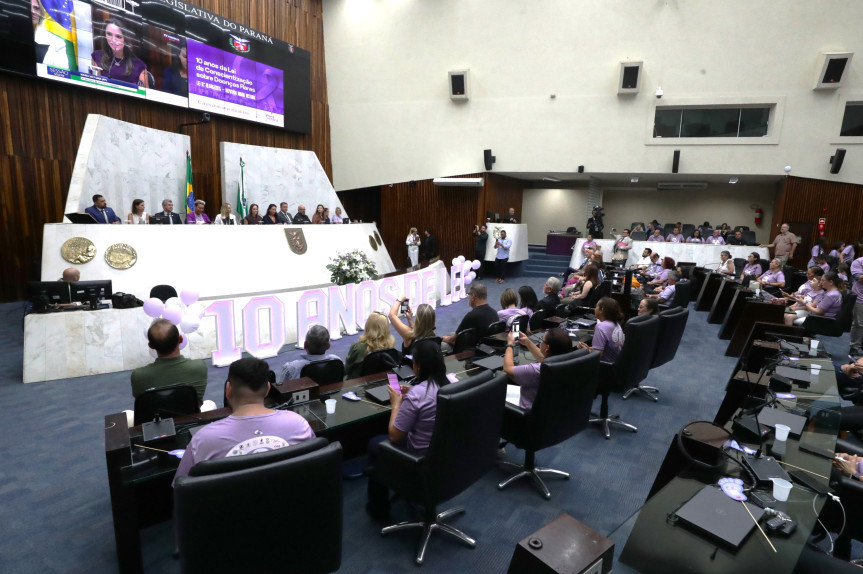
<point x="595" y="223"/>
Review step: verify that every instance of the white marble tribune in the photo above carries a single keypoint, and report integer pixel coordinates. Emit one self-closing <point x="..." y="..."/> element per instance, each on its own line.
<point x="124" y="161"/>
<point x="701" y="255"/>
<point x="274" y="175"/>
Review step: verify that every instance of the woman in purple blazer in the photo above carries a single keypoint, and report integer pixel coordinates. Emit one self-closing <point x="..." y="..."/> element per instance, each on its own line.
<point x="198" y="217"/>
<point x="116" y="60"/>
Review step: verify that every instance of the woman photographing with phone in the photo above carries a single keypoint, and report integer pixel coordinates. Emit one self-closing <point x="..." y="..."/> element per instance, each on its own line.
<point x="420" y="328"/>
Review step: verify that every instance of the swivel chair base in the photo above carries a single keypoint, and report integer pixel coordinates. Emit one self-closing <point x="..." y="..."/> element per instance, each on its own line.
<point x="533" y="473"/>
<point x="428" y="527"/>
<point x="647" y="391"/>
<point x="612" y="420"/>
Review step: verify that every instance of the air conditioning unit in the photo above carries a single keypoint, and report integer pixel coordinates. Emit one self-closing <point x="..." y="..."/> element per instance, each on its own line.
<point x="681" y="185"/>
<point x="458" y="181"/>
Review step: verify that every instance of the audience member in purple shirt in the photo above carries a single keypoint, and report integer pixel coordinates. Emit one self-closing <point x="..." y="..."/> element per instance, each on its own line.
<point x="774" y="277"/>
<point x="251" y="427"/>
<point x="657" y="236"/>
<point x="818" y="249"/>
<point x="555" y="342"/>
<point x="752" y="267"/>
<point x="856" y="335"/>
<point x="608" y="336"/>
<point x="695" y="237"/>
<point x="832" y="301"/>
<point x="412" y="418"/>
<point x="847" y="255"/>
<point x="797" y="312"/>
<point x="716" y="238"/>
<point x="667" y="293"/>
<point x="675" y="236"/>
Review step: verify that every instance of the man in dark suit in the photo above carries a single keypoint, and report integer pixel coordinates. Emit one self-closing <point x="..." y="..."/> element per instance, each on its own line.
<point x="167" y="215"/>
<point x="101" y="212"/>
<point x="552" y="295"/>
<point x="429" y="247"/>
<point x="510" y="217"/>
<point x="283" y="216"/>
<point x="301" y="216"/>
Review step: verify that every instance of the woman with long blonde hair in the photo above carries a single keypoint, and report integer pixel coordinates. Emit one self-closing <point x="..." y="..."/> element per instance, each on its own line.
<point x="420" y="327"/>
<point x="375" y="337"/>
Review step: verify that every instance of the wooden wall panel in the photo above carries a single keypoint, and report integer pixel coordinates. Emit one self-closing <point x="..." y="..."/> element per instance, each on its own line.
<point x="501" y="193"/>
<point x="41" y="124"/>
<point x="805" y="200"/>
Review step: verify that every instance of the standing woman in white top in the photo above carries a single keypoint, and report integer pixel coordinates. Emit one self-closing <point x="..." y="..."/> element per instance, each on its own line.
<point x="225" y="216"/>
<point x="138" y="216"/>
<point x="413" y="243"/>
<point x="726" y="266"/>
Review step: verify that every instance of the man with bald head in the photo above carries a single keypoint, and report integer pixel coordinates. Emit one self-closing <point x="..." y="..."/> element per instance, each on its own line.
<point x="170" y="368"/>
<point x="785" y="244"/>
<point x="70" y="275"/>
<point x="301" y="216"/>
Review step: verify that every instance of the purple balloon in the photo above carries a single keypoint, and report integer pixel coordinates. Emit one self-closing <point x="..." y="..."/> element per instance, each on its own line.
<point x="183" y="343"/>
<point x="153" y="307"/>
<point x="173" y="314"/>
<point x="476" y="264"/>
<point x="188" y="296"/>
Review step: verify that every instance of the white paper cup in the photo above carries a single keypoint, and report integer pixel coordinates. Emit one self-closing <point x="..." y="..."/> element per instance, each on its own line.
<point x="815" y="369"/>
<point x="782" y="432"/>
<point x="781" y="489"/>
<point x="813" y="346"/>
<point x="331" y="405"/>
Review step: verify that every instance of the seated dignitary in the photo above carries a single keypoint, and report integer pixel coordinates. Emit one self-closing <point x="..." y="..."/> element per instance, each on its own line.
<point x="608" y="335"/>
<point x="412" y="418"/>
<point x="479" y="317"/>
<point x="509" y="309"/>
<point x="167" y="215"/>
<point x="316" y="344"/>
<point x="376" y="336"/>
<point x="101" y="212"/>
<point x="301" y="216"/>
<point x="552" y="298"/>
<point x="253" y="217"/>
<point x="70" y="274"/>
<point x="667" y="293"/>
<point x="225" y="216"/>
<point x="251" y="427"/>
<point x="283" y="216"/>
<point x="270" y="217"/>
<point x="138" y="215"/>
<point x="198" y="217"/>
<point x="419" y="327"/>
<point x="170" y="367"/>
<point x="554" y="342"/>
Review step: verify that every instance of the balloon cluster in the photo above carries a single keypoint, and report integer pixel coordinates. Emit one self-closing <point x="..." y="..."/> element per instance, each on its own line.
<point x="184" y="311"/>
<point x="459" y="262"/>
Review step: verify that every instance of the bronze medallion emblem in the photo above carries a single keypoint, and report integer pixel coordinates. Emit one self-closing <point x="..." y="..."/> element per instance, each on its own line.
<point x="121" y="256"/>
<point x="78" y="250"/>
<point x="378" y="238"/>
<point x="296" y="240"/>
<point x="496" y="232"/>
<point x="372" y="242"/>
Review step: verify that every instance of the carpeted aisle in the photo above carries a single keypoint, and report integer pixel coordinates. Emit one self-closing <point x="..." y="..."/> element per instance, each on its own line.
<point x="56" y="513"/>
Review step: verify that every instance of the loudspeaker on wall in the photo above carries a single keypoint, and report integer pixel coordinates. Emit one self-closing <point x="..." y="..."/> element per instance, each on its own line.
<point x="836" y="160"/>
<point x="630" y="75"/>
<point x="675" y="164"/>
<point x="458" y="85"/>
<point x="831" y="69"/>
<point x="489" y="159"/>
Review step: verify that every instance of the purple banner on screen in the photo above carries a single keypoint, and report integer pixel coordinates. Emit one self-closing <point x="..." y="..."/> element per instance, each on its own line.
<point x="240" y="87"/>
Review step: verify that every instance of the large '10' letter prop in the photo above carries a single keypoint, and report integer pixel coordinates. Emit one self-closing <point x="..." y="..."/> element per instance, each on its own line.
<point x="259" y="344"/>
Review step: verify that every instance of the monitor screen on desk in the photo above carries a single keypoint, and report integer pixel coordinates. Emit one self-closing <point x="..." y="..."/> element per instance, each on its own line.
<point x="84" y="291"/>
<point x="43" y="293"/>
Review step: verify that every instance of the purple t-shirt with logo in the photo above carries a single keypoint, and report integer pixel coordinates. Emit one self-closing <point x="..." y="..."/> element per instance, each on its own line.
<point x="510" y="314"/>
<point x="416" y="415"/>
<point x="715" y="240"/>
<point x="771" y="277"/>
<point x="234" y="436"/>
<point x="831" y="303"/>
<point x="752" y="269"/>
<point x="856" y="285"/>
<point x="675" y="238"/>
<point x="527" y="377"/>
<point x="656" y="238"/>
<point x="667" y="294"/>
<point x="608" y="338"/>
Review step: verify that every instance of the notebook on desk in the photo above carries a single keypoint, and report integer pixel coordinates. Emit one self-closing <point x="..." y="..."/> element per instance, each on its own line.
<point x="713" y="513"/>
<point x="492" y="363"/>
<point x="772" y="417"/>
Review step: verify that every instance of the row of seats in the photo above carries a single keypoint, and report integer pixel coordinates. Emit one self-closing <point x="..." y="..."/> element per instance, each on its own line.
<point x="687" y="229"/>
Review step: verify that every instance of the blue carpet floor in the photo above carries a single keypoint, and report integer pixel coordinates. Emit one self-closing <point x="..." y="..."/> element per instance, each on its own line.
<point x="55" y="513"/>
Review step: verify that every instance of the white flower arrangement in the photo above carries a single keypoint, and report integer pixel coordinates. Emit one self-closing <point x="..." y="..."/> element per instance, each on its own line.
<point x="352" y="267"/>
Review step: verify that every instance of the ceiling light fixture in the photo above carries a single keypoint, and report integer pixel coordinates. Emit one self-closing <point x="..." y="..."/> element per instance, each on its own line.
<point x="551" y="179"/>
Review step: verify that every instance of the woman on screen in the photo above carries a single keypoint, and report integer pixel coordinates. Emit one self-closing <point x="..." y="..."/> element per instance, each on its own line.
<point x="115" y="60"/>
<point x="138" y="216"/>
<point x="176" y="78"/>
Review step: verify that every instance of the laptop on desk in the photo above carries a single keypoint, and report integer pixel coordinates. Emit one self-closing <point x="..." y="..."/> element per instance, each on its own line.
<point x="713" y="513"/>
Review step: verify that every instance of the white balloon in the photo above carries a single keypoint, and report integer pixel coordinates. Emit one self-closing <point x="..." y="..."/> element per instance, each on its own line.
<point x="476" y="264"/>
<point x="455" y="261"/>
<point x="196" y="310"/>
<point x="173" y="302"/>
<point x="468" y="280"/>
<point x="189" y="323"/>
<point x="173" y="314"/>
<point x="471" y="276"/>
<point x="461" y="258"/>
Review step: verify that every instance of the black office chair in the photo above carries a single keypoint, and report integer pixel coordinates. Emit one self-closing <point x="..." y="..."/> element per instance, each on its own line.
<point x="631" y="367"/>
<point x="672" y="324"/>
<point x="169" y="402"/>
<point x="635" y="224"/>
<point x="302" y="533"/>
<point x="588" y="304"/>
<point x="562" y="311"/>
<point x="686" y="268"/>
<point x="833" y="326"/>
<point x="522" y="321"/>
<point x="638" y="236"/>
<point x="740" y="228"/>
<point x="667" y="229"/>
<point x="536" y="320"/>
<point x="851" y="493"/>
<point x="381" y="361"/>
<point x="163" y="292"/>
<point x="567" y="387"/>
<point x="749" y="237"/>
<point x="495" y="328"/>
<point x="687" y="230"/>
<point x="739" y="264"/>
<point x="324" y="372"/>
<point x="571" y="230"/>
<point x="470" y="409"/>
<point x="464" y="341"/>
<point x="682" y="295"/>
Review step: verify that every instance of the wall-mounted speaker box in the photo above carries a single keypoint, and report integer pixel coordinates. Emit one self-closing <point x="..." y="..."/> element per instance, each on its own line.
<point x="675" y="164"/>
<point x="581" y="169"/>
<point x="831" y="69"/>
<point x="459" y="85"/>
<point x="836" y="160"/>
<point x="630" y="76"/>
<point x="488" y="159"/>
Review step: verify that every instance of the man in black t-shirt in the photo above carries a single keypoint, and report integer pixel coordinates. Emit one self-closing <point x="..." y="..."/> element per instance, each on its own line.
<point x="479" y="317"/>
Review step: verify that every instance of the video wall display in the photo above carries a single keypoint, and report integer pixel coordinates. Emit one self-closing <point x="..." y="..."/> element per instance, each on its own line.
<point x="167" y="51"/>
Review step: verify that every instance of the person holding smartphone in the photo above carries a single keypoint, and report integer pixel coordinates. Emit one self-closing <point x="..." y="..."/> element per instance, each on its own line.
<point x="419" y="327"/>
<point x="554" y="342"/>
<point x="412" y="419"/>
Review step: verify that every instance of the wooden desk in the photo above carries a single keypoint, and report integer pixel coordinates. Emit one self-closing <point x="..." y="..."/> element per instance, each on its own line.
<point x="753" y="311"/>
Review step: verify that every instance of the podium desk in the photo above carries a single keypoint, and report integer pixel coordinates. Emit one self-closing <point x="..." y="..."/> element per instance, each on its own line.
<point x="753" y="311"/>
<point x="722" y="300"/>
<point x="560" y="243"/>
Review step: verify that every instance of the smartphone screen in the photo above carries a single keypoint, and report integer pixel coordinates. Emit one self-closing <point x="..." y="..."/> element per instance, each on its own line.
<point x="405" y="306"/>
<point x="515" y="328"/>
<point x="394" y="382"/>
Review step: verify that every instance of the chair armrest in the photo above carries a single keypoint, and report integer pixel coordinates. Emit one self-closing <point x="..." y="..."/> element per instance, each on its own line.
<point x="515" y="422"/>
<point x="391" y="454"/>
<point x="399" y="469"/>
<point x="816" y="323"/>
<point x="846" y="446"/>
<point x="847" y="486"/>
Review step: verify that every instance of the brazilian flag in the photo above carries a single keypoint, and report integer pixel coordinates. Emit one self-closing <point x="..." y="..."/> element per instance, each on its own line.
<point x="60" y="21"/>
